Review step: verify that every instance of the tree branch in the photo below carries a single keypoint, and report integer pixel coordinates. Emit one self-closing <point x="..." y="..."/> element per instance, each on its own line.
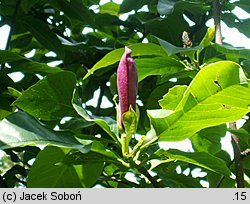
<point x="217" y="21"/>
<point x="154" y="182"/>
<point x="238" y="160"/>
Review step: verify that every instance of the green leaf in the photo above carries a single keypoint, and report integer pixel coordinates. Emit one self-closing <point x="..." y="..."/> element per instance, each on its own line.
<point x="74" y="10"/>
<point x="91" y="172"/>
<point x="200" y="159"/>
<point x="214" y="97"/>
<point x="43" y="34"/>
<point x="130" y="120"/>
<point x="48" y="171"/>
<point x="165" y="7"/>
<point x="214" y="180"/>
<point x="106" y="123"/>
<point x="234" y="22"/>
<point x="157" y="66"/>
<point x="8" y="56"/>
<point x="129" y="5"/>
<point x="20" y="129"/>
<point x="28" y="4"/>
<point x="208" y="38"/>
<point x="246" y="162"/>
<point x="208" y="140"/>
<point x="98" y="153"/>
<point x="36" y="67"/>
<point x="172" y="49"/>
<point x="110" y="8"/>
<point x="225" y="51"/>
<point x="244" y="135"/>
<point x="4" y="113"/>
<point x="244" y="4"/>
<point x="50" y="98"/>
<point x="183" y="181"/>
<point x="173" y="97"/>
<point x="139" y="49"/>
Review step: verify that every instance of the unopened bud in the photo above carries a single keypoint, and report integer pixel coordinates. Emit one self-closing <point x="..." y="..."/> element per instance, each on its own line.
<point x="127" y="84"/>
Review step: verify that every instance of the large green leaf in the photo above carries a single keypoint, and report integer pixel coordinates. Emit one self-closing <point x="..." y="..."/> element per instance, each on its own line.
<point x="74" y="10"/>
<point x="200" y="159"/>
<point x="129" y="5"/>
<point x="217" y="52"/>
<point x="28" y="4"/>
<point x="32" y="67"/>
<point x="244" y="4"/>
<point x="43" y="34"/>
<point x="50" y="98"/>
<point x="166" y="7"/>
<point x="8" y="56"/>
<point x="99" y="153"/>
<point x="215" y="96"/>
<point x="208" y="140"/>
<point x="172" y="49"/>
<point x="173" y="97"/>
<point x="91" y="172"/>
<point x="20" y="129"/>
<point x="110" y="8"/>
<point x="157" y="66"/>
<point x="139" y="49"/>
<point x="48" y="171"/>
<point x="106" y="123"/>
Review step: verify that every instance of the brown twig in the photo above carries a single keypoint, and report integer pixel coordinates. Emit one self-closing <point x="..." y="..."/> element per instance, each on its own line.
<point x="217" y="22"/>
<point x="238" y="160"/>
<point x="217" y="5"/>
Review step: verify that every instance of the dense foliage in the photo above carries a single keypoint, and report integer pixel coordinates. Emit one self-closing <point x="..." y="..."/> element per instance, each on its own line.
<point x="55" y="134"/>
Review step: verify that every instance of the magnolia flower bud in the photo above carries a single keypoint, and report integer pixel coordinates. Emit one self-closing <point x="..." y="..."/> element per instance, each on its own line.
<point x="127" y="80"/>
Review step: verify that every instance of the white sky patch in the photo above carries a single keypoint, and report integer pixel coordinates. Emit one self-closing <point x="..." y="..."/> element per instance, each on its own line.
<point x="231" y="35"/>
<point x="131" y="177"/>
<point x="55" y="63"/>
<point x="93" y="101"/>
<point x="102" y="2"/>
<point x="50" y="54"/>
<point x="144" y="9"/>
<point x="67" y="32"/>
<point x="190" y="22"/>
<point x="118" y="1"/>
<point x="30" y="54"/>
<point x="184" y="145"/>
<point x="105" y="102"/>
<point x="87" y="30"/>
<point x="173" y="80"/>
<point x="94" y="8"/>
<point x="186" y="171"/>
<point x="39" y="76"/>
<point x="240" y="13"/>
<point x="145" y="40"/>
<point x="4" y="32"/>
<point x="124" y="16"/>
<point x="227" y="145"/>
<point x="139" y="34"/>
<point x="16" y="76"/>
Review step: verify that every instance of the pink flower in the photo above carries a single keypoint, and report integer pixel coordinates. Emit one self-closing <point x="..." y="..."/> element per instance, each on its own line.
<point x="127" y="80"/>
